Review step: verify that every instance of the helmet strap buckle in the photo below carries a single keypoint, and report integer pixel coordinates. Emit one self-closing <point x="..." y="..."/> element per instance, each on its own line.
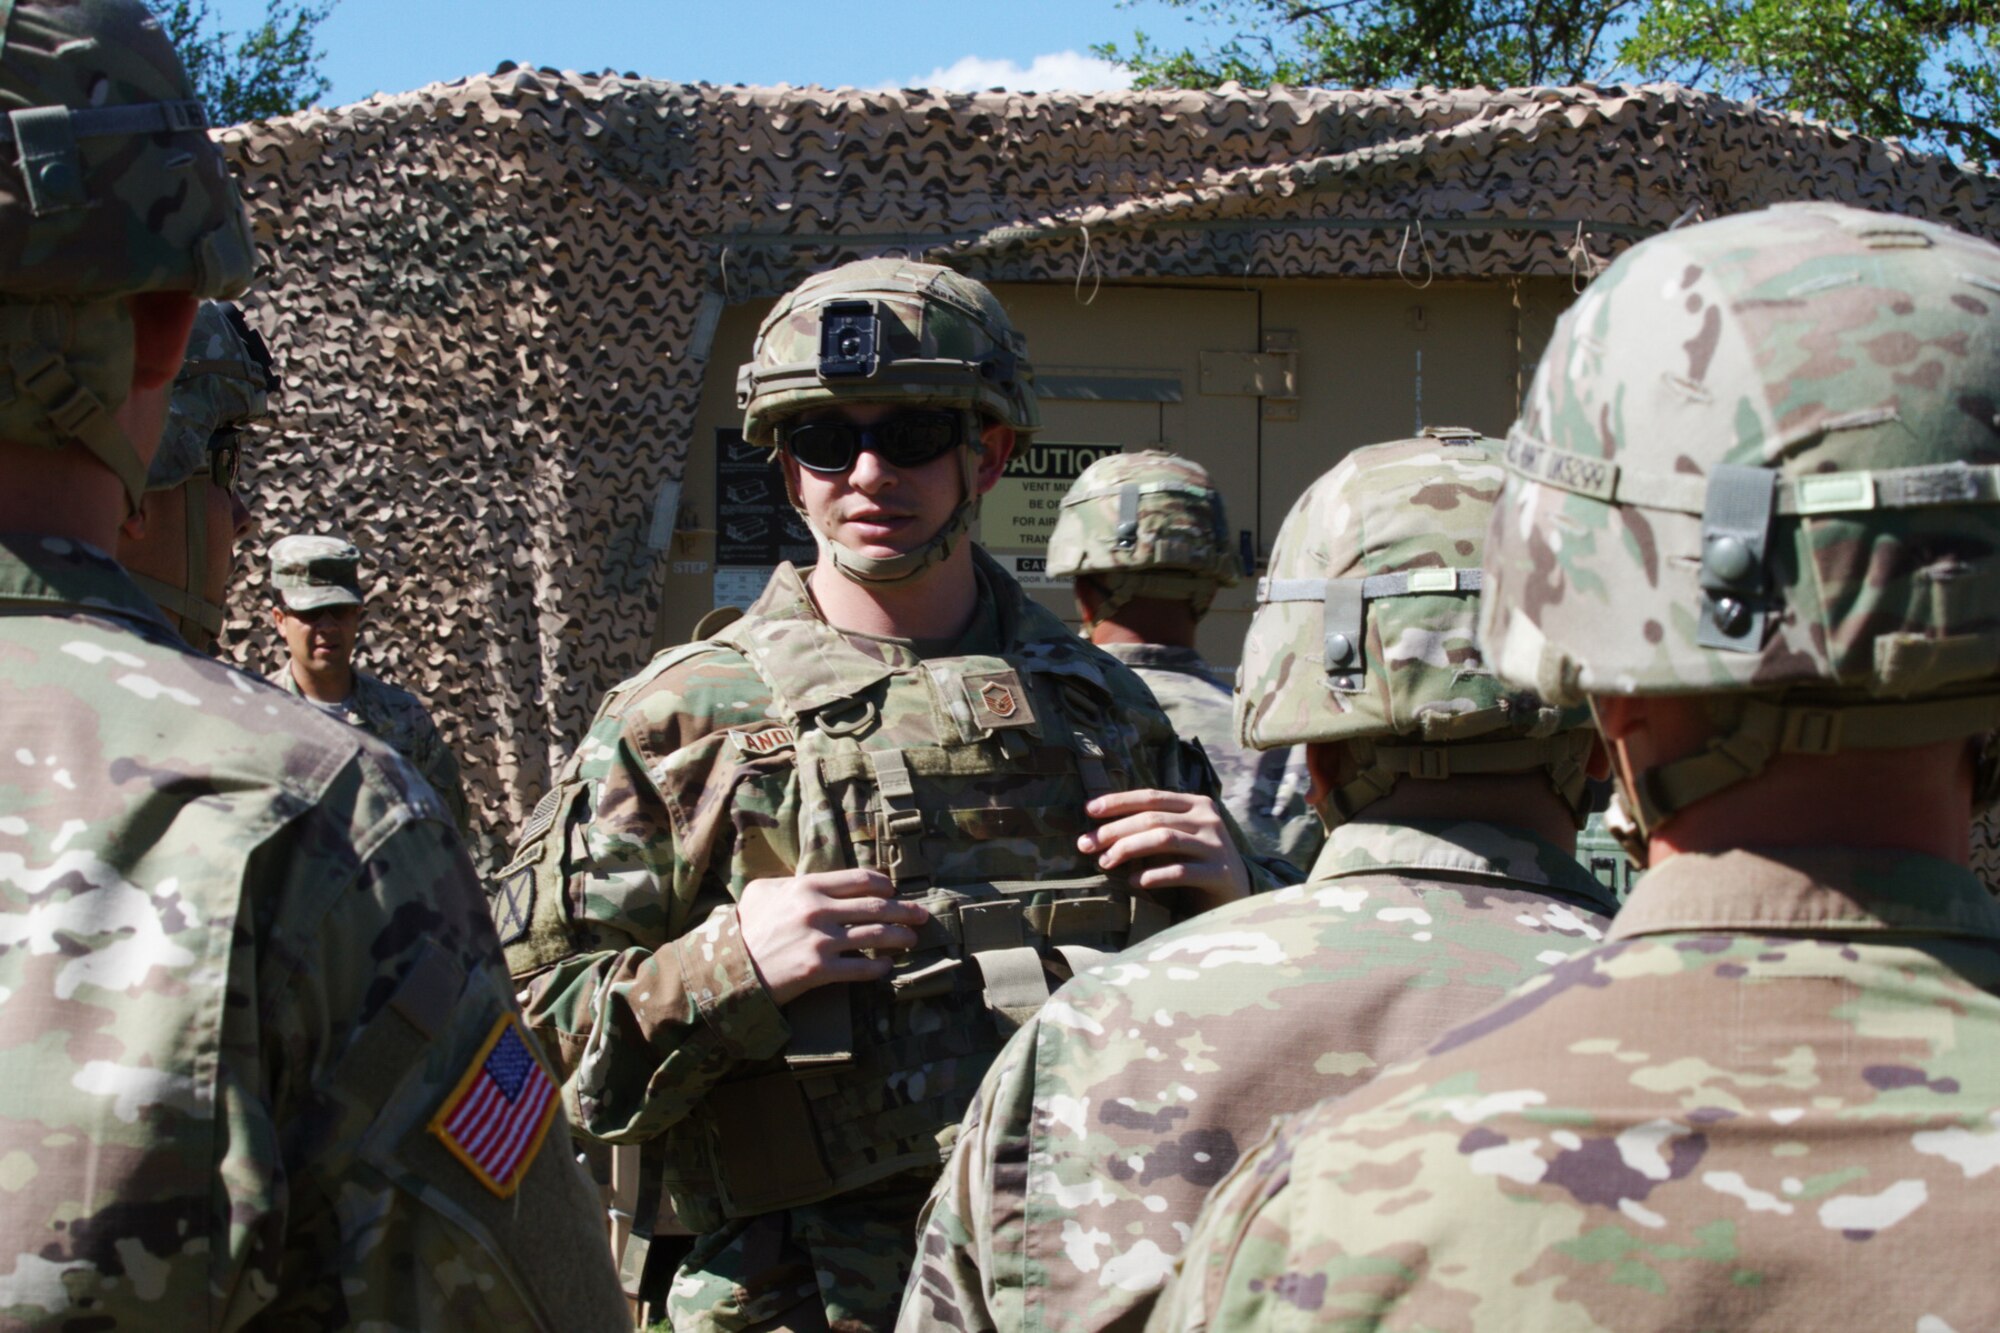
<point x="50" y="166"/>
<point x="1735" y="538"/>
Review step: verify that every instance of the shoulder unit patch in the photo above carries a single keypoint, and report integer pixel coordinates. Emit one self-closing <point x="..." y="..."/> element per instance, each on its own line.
<point x="496" y="1118"/>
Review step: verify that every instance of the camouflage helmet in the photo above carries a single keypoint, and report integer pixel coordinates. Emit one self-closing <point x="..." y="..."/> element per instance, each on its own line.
<point x="1146" y="524"/>
<point x="223" y="384"/>
<point x="1364" y="630"/>
<point x="1758" y="462"/>
<point x="886" y="330"/>
<point x="890" y="331"/>
<point x="111" y="187"/>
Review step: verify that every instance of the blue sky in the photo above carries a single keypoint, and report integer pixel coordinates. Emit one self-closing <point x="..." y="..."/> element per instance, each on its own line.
<point x="395" y="45"/>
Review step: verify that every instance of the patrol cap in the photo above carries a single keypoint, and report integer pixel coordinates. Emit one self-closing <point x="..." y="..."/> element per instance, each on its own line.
<point x="312" y="572"/>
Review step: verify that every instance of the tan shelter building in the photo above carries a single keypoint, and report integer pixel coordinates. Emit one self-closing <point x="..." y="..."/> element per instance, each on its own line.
<point x="509" y="312"/>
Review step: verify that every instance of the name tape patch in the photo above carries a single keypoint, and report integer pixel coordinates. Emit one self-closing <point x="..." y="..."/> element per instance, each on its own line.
<point x="770" y="740"/>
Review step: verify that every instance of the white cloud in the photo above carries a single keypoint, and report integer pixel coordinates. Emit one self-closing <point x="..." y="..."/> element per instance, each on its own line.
<point x="1069" y="71"/>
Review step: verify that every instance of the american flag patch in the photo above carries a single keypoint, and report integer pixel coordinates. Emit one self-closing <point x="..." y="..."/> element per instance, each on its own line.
<point x="495" y="1119"/>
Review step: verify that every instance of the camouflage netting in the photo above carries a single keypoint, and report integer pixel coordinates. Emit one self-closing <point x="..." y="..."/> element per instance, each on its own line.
<point x="491" y="301"/>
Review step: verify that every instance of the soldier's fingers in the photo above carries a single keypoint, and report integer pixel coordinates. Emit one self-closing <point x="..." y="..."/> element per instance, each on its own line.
<point x="1152" y="842"/>
<point x="1191" y="823"/>
<point x="852" y="911"/>
<point x="1120" y="803"/>
<point x="881" y="936"/>
<point x="848" y="883"/>
<point x="1173" y="874"/>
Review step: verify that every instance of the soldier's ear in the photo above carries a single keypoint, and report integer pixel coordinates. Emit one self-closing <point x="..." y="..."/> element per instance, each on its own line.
<point x="1331" y="768"/>
<point x="161" y="322"/>
<point x="999" y="447"/>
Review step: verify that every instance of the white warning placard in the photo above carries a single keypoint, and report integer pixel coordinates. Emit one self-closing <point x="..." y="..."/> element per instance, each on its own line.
<point x="1020" y="511"/>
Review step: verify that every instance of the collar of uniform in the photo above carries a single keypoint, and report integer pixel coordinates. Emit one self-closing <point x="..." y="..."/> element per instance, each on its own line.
<point x="69" y="575"/>
<point x="1160" y="657"/>
<point x="356" y="694"/>
<point x="807" y="663"/>
<point x="1809" y="889"/>
<point x="1460" y="847"/>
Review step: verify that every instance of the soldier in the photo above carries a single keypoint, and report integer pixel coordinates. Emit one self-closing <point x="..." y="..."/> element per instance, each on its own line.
<point x="1453" y="806"/>
<point x="254" y="1013"/>
<point x="180" y="546"/>
<point x="1146" y="541"/>
<point x="1751" y="516"/>
<point x="894" y="752"/>
<point x="318" y="613"/>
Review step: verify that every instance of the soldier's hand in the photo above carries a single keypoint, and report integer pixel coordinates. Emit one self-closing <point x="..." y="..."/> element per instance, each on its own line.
<point x="1181" y="839"/>
<point x="806" y="931"/>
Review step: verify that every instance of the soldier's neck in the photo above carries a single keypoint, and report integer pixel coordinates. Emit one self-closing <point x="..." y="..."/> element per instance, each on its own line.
<point x="331" y="685"/>
<point x="1513" y="800"/>
<point x="1912" y="800"/>
<point x="1158" y="620"/>
<point x="59" y="493"/>
<point x="1915" y="799"/>
<point x="1167" y="635"/>
<point x="937" y="604"/>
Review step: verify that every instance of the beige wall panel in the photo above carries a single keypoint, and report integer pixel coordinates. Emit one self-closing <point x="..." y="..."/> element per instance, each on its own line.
<point x="1155" y="333"/>
<point x="1380" y="360"/>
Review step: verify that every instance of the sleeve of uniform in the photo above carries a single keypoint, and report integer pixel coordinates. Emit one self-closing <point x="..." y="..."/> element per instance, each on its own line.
<point x="668" y="1001"/>
<point x="426" y="1157"/>
<point x="1230" y="1274"/>
<point x="440" y="768"/>
<point x="972" y="1235"/>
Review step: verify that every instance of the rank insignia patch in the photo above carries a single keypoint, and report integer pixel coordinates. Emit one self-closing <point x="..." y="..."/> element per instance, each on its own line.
<point x="995" y="700"/>
<point x="496" y="1118"/>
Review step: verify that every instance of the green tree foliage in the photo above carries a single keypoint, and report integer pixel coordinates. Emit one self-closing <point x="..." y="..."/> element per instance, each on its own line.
<point x="270" y="70"/>
<point x="1926" y="70"/>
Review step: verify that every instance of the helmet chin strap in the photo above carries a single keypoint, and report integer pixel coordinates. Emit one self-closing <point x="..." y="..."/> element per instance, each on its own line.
<point x="885" y="571"/>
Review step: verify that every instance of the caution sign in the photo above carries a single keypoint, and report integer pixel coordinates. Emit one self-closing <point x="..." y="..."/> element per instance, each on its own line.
<point x="1020" y="511"/>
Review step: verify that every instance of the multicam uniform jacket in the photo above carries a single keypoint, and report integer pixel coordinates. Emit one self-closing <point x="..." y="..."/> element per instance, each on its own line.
<point x="394" y="715"/>
<point x="1264" y="789"/>
<point x="1770" y="1100"/>
<point x="243" y="965"/>
<point x="801" y="1141"/>
<point x="1103" y="1124"/>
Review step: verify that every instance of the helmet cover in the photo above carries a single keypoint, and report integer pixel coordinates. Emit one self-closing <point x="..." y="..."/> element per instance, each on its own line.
<point x="1145" y="524"/>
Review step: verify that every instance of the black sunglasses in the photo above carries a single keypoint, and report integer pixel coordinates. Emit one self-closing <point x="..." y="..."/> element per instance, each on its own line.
<point x="225" y="456"/>
<point x="908" y="438"/>
<point x="319" y="613"/>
